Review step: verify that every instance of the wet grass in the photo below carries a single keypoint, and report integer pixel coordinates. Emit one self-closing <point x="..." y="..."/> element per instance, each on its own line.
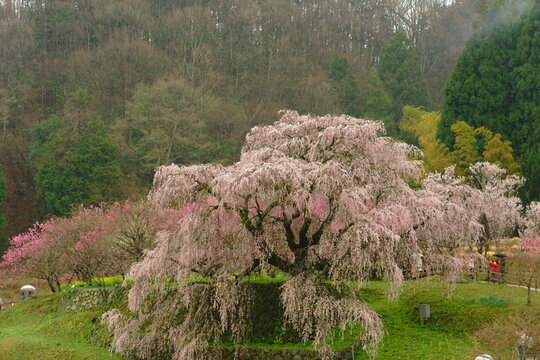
<point x="39" y="329"/>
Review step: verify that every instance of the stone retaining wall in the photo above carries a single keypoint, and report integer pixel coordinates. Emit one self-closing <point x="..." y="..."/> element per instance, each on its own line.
<point x="269" y="313"/>
<point x="85" y="299"/>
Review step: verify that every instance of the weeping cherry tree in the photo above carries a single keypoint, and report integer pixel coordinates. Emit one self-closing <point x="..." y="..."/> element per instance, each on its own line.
<point x="328" y="200"/>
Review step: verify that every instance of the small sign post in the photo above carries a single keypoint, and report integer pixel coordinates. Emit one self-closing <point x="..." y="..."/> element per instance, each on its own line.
<point x="425" y="312"/>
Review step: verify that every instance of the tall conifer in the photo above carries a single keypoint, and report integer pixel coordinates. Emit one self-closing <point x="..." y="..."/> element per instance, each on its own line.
<point x="401" y="74"/>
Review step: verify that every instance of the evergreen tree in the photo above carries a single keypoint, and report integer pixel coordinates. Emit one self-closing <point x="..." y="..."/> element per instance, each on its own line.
<point x="85" y="172"/>
<point x="378" y="103"/>
<point x="401" y="74"/>
<point x="476" y="90"/>
<point x="495" y="84"/>
<point x="530" y="165"/>
<point x="345" y="85"/>
<point x="76" y="161"/>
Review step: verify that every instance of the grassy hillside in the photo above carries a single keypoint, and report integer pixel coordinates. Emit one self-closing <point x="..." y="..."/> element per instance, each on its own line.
<point x="455" y="320"/>
<point x="39" y="329"/>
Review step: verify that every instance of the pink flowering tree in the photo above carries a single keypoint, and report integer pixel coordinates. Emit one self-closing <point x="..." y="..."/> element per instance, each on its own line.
<point x="446" y="220"/>
<point x="96" y="241"/>
<point x="526" y="265"/>
<point x="328" y="200"/>
<point x="496" y="204"/>
<point x="37" y="253"/>
<point x="530" y="227"/>
<point x="62" y="248"/>
<point x="93" y="250"/>
<point x="488" y="197"/>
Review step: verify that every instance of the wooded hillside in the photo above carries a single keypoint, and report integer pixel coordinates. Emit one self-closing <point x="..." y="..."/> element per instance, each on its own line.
<point x="94" y="94"/>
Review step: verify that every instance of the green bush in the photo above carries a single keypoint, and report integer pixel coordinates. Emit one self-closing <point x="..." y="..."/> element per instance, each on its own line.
<point x="493" y="301"/>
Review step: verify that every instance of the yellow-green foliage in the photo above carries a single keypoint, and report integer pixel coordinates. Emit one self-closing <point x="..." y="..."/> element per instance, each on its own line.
<point x="99" y="281"/>
<point x="423" y="125"/>
<point x="471" y="145"/>
<point x="499" y="151"/>
<point x="466" y="147"/>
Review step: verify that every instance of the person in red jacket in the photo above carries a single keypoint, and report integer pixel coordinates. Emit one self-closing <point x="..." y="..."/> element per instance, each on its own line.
<point x="493" y="271"/>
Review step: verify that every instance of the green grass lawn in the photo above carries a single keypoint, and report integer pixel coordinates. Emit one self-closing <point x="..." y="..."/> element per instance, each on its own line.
<point x="38" y="329"/>
<point x="408" y="338"/>
<point x="448" y="334"/>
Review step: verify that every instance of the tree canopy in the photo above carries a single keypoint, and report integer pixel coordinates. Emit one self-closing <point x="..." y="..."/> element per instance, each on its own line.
<point x="239" y="61"/>
<point x="423" y="125"/>
<point x="345" y="85"/>
<point x="471" y="145"/>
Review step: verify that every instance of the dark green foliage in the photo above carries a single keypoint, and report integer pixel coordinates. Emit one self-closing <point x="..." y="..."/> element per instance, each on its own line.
<point x="75" y="160"/>
<point x="42" y="133"/>
<point x="476" y="91"/>
<point x="3" y="196"/>
<point x="83" y="173"/>
<point x="346" y="85"/>
<point x="495" y="84"/>
<point x="378" y="103"/>
<point x="530" y="166"/>
<point x="401" y="74"/>
<point x="493" y="301"/>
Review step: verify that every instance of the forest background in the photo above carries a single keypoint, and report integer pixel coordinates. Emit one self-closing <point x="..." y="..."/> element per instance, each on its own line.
<point x="95" y="94"/>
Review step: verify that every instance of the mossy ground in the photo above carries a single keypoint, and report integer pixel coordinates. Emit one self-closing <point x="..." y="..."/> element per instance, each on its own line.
<point x="39" y="329"/>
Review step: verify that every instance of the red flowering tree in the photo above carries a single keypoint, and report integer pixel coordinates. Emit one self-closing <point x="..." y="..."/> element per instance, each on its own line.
<point x="328" y="200"/>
